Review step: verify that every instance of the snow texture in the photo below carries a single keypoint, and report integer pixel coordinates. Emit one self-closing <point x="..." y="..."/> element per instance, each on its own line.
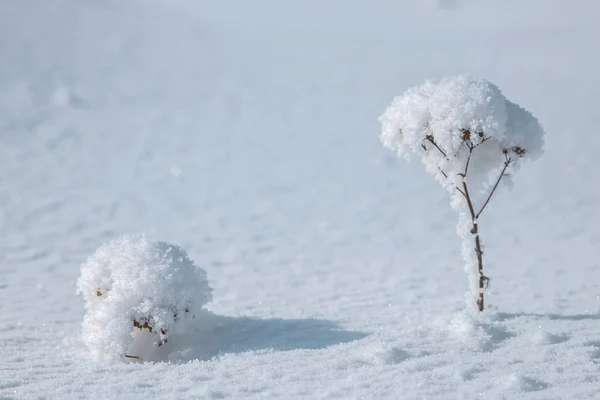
<point x="132" y="279"/>
<point x="246" y="132"/>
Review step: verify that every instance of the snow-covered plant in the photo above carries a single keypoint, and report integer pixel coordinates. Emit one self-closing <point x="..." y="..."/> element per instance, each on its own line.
<point x="136" y="293"/>
<point x="471" y="139"/>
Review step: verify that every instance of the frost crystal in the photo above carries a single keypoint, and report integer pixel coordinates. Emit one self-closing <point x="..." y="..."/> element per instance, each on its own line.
<point x="132" y="284"/>
<point x="434" y="119"/>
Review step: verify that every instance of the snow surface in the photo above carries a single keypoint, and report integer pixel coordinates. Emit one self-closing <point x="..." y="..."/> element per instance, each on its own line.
<point x="246" y="132"/>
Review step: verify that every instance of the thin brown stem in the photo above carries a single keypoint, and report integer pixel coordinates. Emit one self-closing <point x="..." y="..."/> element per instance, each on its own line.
<point x="430" y="138"/>
<point x="478" y="252"/>
<point x="471" y="147"/>
<point x="485" y="139"/>
<point x="469" y="202"/>
<point x="506" y="164"/>
<point x="466" y="137"/>
<point x="468" y="160"/>
<point x="483" y="280"/>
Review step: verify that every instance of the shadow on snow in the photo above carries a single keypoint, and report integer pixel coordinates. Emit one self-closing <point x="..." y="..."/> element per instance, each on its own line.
<point x="215" y="335"/>
<point x="556" y="317"/>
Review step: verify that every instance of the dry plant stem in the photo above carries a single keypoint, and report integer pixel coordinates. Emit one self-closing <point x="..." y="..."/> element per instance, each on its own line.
<point x="425" y="148"/>
<point x="430" y="138"/>
<point x="483" y="280"/>
<point x="478" y="252"/>
<point x="506" y="164"/>
<point x="475" y="231"/>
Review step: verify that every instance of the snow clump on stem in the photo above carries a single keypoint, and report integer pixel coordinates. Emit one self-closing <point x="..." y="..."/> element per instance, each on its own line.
<point x="472" y="140"/>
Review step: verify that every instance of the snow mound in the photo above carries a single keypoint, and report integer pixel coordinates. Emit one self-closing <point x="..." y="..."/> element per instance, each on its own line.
<point x="140" y="289"/>
<point x="384" y="355"/>
<point x="521" y="383"/>
<point x="543" y="337"/>
<point x="480" y="334"/>
<point x="435" y="119"/>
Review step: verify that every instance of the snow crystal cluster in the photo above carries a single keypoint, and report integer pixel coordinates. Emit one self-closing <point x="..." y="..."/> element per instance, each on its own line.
<point x="435" y="120"/>
<point x="136" y="293"/>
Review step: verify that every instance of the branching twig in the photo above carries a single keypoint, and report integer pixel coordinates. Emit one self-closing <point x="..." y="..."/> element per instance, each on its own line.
<point x="485" y="139"/>
<point x="483" y="280"/>
<point x="466" y="137"/>
<point x="506" y="164"/>
<point x="471" y="147"/>
<point x="469" y="203"/>
<point x="430" y="138"/>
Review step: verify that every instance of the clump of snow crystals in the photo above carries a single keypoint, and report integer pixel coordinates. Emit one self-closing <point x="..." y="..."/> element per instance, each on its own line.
<point x="433" y="119"/>
<point x="471" y="139"/>
<point x="137" y="292"/>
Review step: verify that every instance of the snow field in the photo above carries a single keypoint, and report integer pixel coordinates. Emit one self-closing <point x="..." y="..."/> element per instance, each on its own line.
<point x="335" y="267"/>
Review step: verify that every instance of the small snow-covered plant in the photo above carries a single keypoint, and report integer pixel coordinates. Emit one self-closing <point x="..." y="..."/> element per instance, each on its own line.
<point x="471" y="139"/>
<point x="136" y="293"/>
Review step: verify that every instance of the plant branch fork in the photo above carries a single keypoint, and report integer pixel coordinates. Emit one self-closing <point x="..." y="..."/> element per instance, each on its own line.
<point x="466" y="136"/>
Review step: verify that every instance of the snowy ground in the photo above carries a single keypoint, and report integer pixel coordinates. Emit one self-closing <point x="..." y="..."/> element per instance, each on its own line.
<point x="247" y="133"/>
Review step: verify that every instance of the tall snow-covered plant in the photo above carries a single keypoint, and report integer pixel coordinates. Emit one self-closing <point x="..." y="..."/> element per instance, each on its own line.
<point x="471" y="139"/>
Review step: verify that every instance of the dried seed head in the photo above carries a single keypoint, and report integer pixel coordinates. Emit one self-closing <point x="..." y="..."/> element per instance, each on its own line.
<point x="143" y="324"/>
<point x="518" y="150"/>
<point x="466" y="134"/>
